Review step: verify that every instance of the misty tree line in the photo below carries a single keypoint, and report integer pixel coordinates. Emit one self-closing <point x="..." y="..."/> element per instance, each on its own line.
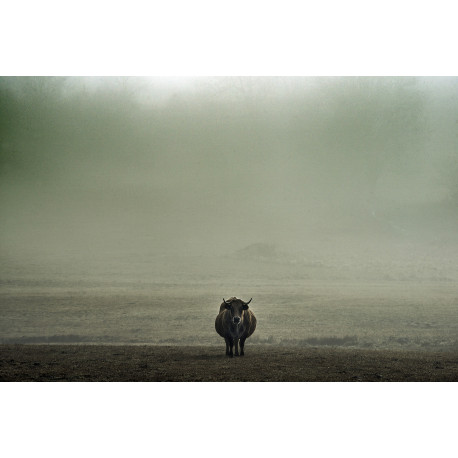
<point x="246" y="129"/>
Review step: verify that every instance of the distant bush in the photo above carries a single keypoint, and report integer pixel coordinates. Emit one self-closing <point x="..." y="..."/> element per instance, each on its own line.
<point x="69" y="338"/>
<point x="258" y="251"/>
<point x="318" y="341"/>
<point x="345" y="341"/>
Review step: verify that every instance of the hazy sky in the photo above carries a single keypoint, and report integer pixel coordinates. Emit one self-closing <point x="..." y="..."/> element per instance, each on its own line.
<point x="215" y="163"/>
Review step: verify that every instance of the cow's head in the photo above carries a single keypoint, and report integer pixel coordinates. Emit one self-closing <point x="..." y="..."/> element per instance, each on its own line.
<point x="236" y="307"/>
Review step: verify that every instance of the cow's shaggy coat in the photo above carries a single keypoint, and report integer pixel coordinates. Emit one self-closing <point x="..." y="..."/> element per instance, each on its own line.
<point x="235" y="323"/>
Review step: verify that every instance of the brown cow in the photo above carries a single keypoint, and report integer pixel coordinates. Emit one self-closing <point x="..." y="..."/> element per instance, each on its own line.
<point x="235" y="322"/>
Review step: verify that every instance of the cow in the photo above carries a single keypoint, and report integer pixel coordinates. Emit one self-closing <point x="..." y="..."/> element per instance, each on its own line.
<point x="235" y="322"/>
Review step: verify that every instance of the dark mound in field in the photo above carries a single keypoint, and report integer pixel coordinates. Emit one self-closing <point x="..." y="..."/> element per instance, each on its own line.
<point x="174" y="363"/>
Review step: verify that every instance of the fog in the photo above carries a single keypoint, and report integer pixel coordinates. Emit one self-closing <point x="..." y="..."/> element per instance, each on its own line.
<point x="211" y="165"/>
<point x="334" y="197"/>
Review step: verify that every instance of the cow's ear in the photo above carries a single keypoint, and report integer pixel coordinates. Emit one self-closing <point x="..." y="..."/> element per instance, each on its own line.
<point x="245" y="306"/>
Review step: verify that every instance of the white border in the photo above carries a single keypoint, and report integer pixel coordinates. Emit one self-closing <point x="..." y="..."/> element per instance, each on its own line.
<point x="173" y="37"/>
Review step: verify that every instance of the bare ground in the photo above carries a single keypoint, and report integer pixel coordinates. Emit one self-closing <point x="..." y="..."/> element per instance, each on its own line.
<point x="205" y="363"/>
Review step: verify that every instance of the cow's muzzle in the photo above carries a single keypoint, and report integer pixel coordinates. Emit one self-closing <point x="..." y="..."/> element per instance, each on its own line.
<point x="236" y="320"/>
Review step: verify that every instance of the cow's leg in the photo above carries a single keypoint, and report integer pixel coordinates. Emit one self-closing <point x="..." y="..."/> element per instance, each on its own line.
<point x="236" y="343"/>
<point x="231" y="344"/>
<point x="227" y="346"/>
<point x="242" y="345"/>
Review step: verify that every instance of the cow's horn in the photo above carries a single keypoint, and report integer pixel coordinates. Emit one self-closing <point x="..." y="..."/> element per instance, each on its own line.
<point x="224" y="300"/>
<point x="246" y="303"/>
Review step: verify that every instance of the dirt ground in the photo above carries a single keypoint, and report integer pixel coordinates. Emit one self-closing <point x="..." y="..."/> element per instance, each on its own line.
<point x="146" y="363"/>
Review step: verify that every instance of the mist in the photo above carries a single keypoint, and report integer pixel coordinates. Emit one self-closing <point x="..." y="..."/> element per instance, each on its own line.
<point x="131" y="206"/>
<point x="208" y="166"/>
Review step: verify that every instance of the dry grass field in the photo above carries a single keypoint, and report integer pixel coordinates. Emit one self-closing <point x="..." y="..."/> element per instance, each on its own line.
<point x="317" y="321"/>
<point x="395" y="315"/>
